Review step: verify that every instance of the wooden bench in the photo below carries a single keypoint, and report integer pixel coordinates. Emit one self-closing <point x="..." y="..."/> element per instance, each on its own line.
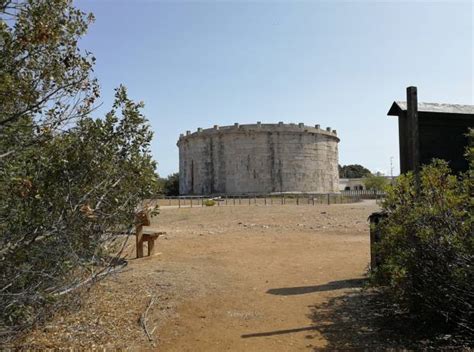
<point x="144" y="233"/>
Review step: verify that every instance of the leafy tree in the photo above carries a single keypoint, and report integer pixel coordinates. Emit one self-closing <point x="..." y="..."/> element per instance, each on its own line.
<point x="427" y="248"/>
<point x="69" y="184"/>
<point x="45" y="80"/>
<point x="64" y="206"/>
<point x="376" y="183"/>
<point x="171" y="185"/>
<point x="353" y="171"/>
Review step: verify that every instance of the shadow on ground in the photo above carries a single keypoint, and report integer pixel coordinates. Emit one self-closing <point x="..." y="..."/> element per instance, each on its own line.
<point x="330" y="286"/>
<point x="300" y="290"/>
<point x="363" y="320"/>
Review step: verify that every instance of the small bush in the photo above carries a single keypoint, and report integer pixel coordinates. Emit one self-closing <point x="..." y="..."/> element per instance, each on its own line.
<point x="209" y="202"/>
<point x="375" y="183"/>
<point x="427" y="248"/>
<point x="170" y="185"/>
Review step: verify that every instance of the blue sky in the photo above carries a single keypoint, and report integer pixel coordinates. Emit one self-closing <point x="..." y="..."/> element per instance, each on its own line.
<point x="333" y="63"/>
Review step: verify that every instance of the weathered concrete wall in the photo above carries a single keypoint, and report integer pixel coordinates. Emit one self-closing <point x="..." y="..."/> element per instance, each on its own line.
<point x="260" y="158"/>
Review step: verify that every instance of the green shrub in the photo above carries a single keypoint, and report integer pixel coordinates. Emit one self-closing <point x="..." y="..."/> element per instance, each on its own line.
<point x="64" y="206"/>
<point x="70" y="183"/>
<point x="375" y="183"/>
<point x="170" y="185"/>
<point x="209" y="202"/>
<point x="427" y="247"/>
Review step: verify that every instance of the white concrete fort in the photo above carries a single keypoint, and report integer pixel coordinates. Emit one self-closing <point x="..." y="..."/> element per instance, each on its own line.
<point x="258" y="159"/>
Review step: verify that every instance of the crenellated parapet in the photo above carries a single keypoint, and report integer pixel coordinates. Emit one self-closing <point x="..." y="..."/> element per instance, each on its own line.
<point x="259" y="127"/>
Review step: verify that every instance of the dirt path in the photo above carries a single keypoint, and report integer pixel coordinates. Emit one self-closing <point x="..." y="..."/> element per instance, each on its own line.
<point x="244" y="278"/>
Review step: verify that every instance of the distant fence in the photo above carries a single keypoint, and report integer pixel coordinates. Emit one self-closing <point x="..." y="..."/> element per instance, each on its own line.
<point x="365" y="194"/>
<point x="271" y="199"/>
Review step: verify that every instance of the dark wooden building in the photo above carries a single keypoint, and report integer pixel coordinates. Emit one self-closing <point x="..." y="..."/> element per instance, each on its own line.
<point x="431" y="130"/>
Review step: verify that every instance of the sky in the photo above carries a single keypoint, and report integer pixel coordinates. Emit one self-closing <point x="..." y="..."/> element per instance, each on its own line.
<point x="335" y="63"/>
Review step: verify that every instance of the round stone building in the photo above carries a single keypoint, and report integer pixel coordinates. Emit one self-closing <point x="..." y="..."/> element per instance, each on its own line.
<point x="258" y="159"/>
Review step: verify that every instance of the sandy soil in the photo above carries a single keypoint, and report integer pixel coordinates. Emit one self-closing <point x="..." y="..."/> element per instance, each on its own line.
<point x="243" y="278"/>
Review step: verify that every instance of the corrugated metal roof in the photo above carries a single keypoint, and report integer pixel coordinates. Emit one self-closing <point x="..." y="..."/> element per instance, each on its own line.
<point x="399" y="106"/>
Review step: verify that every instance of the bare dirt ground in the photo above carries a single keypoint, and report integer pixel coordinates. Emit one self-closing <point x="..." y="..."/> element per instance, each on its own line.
<point x="243" y="278"/>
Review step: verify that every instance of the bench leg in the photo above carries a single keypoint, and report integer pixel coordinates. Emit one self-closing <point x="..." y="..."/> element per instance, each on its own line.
<point x="139" y="249"/>
<point x="151" y="247"/>
<point x="139" y="238"/>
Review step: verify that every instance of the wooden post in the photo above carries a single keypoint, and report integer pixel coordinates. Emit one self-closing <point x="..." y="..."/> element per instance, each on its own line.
<point x="329" y="199"/>
<point x="139" y="240"/>
<point x="179" y="202"/>
<point x="151" y="247"/>
<point x="297" y="200"/>
<point x="413" y="134"/>
<point x="265" y="197"/>
<point x="191" y="202"/>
